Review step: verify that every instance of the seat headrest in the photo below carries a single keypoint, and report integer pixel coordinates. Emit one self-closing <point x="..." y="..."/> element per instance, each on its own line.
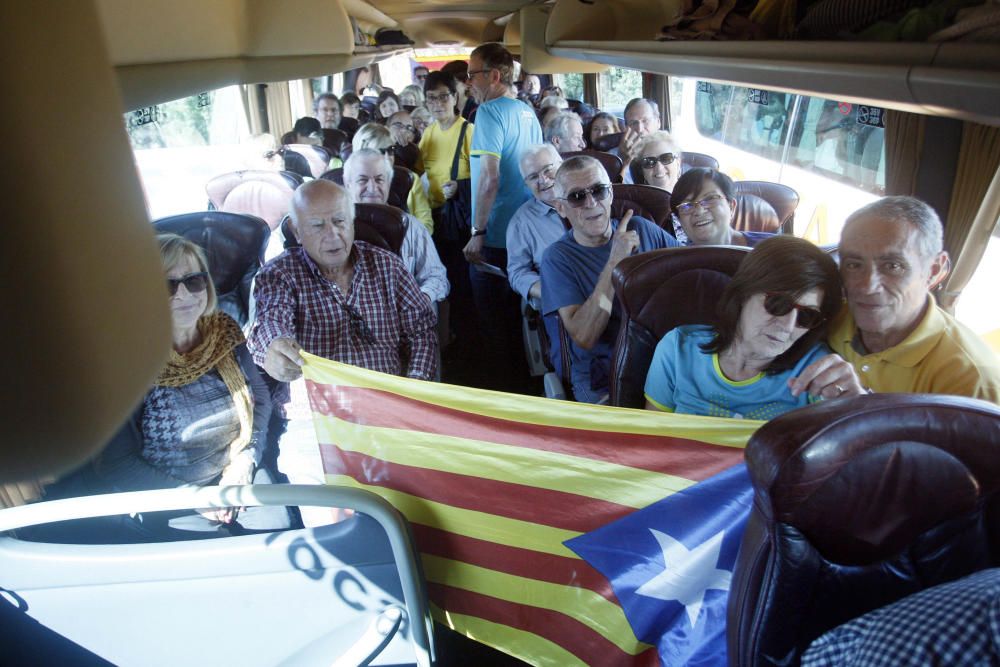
<point x="691" y="160"/>
<point x="753" y="214"/>
<point x="861" y="478"/>
<point x="611" y="163"/>
<point x="782" y="198"/>
<point x="264" y="194"/>
<point x="647" y="201"/>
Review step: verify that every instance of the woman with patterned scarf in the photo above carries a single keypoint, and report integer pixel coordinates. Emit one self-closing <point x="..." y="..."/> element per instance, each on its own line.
<point x="205" y="419"/>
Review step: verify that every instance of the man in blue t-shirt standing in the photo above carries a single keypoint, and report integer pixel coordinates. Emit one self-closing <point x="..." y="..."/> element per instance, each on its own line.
<point x="505" y="126"/>
<point x="576" y="270"/>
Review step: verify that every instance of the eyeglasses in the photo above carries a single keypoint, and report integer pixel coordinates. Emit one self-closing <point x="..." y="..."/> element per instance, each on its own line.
<point x="193" y="283"/>
<point x="400" y="126"/>
<point x="548" y="171"/>
<point x="578" y="198"/>
<point x="474" y="72"/>
<point x="359" y="328"/>
<point x="688" y="207"/>
<point x="431" y="97"/>
<point x="421" y="77"/>
<point x="665" y="159"/>
<point x="270" y="154"/>
<point x="388" y="150"/>
<point x="779" y="304"/>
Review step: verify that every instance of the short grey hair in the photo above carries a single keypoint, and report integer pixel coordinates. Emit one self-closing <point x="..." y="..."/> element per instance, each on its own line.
<point x="559" y="126"/>
<point x="536" y="150"/>
<point x="656" y="137"/>
<point x="930" y="232"/>
<point x="553" y="101"/>
<point x="579" y="163"/>
<point x="353" y="164"/>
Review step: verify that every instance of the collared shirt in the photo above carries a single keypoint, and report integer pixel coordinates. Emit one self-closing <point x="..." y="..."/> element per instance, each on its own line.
<point x="421" y="259"/>
<point x="504" y="128"/>
<point x="383" y="323"/>
<point x="534" y="227"/>
<point x="940" y="356"/>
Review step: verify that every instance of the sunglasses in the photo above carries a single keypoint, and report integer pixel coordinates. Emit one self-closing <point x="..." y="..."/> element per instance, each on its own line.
<point x="474" y="72"/>
<point x="359" y="328"/>
<point x="650" y="162"/>
<point x="689" y="206"/>
<point x="578" y="198"/>
<point x="193" y="283"/>
<point x="779" y="305"/>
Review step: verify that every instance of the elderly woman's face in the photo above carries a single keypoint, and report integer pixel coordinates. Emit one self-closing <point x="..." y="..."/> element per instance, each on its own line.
<point x="767" y="335"/>
<point x="652" y="160"/>
<point x="706" y="217"/>
<point x="388" y="107"/>
<point x="406" y="98"/>
<point x="190" y="300"/>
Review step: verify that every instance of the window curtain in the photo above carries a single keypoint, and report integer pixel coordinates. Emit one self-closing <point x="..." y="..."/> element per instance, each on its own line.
<point x="279" y="109"/>
<point x="251" y="107"/>
<point x="904" y="139"/>
<point x="975" y="207"/>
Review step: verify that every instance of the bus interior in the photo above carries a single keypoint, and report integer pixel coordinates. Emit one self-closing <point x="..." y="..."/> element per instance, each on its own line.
<point x="120" y="112"/>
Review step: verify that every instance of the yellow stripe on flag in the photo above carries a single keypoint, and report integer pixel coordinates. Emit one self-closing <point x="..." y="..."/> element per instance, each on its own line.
<point x="537" y="410"/>
<point x="515" y="642"/>
<point x="602" y="615"/>
<point x="632" y="487"/>
<point x="470" y="523"/>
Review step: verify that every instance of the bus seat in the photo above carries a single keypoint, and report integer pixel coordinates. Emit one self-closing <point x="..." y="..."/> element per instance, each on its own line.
<point x="349" y="126"/>
<point x="334" y="140"/>
<point x="299" y="597"/>
<point x="407" y="156"/>
<point x="608" y="142"/>
<point x="660" y="290"/>
<point x="265" y="194"/>
<point x="296" y="163"/>
<point x="399" y="189"/>
<point x="234" y="244"/>
<point x="753" y="214"/>
<point x="858" y="503"/>
<point x="317" y="157"/>
<point x="611" y="163"/>
<point x="645" y="201"/>
<point x="690" y="160"/>
<point x="782" y="198"/>
<point x="378" y="224"/>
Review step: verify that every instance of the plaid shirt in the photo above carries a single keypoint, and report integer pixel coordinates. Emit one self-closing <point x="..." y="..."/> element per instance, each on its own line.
<point x="384" y="323"/>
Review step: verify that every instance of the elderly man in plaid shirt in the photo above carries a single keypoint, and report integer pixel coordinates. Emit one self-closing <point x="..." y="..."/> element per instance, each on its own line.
<point x="339" y="298"/>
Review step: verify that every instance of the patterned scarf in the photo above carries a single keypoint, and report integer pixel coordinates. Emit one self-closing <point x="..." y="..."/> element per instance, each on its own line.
<point x="220" y="335"/>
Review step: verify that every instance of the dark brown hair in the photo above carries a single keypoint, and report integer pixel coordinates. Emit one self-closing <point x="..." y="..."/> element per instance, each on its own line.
<point x="788" y="265"/>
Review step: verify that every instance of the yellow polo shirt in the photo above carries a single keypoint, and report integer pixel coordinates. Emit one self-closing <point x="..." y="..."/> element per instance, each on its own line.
<point x="941" y="356"/>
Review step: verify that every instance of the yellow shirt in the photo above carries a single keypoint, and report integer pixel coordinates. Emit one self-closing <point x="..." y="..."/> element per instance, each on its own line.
<point x="437" y="148"/>
<point x="416" y="201"/>
<point x="941" y="356"/>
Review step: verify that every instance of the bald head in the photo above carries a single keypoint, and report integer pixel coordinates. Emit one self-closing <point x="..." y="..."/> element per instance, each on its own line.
<point x="323" y="222"/>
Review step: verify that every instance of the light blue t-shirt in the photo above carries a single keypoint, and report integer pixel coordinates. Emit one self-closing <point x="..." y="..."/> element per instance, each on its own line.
<point x="504" y="128"/>
<point x="569" y="276"/>
<point x="684" y="379"/>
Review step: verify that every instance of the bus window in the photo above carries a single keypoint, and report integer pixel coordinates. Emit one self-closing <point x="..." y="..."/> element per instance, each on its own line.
<point x="617" y="86"/>
<point x="180" y="145"/>
<point x="571" y="84"/>
<point x="832" y="153"/>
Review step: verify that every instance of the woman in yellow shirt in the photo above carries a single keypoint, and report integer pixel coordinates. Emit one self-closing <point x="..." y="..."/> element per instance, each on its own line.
<point x="437" y="146"/>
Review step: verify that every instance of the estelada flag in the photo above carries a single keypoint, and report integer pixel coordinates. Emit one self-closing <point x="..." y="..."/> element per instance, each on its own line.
<point x="493" y="484"/>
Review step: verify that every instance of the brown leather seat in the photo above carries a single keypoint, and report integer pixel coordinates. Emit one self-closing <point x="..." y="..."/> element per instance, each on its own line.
<point x="317" y="157"/>
<point x="378" y="224"/>
<point x="660" y="290"/>
<point x="691" y="160"/>
<point x="611" y="163"/>
<point x="646" y="201"/>
<point x="753" y="214"/>
<point x="782" y="198"/>
<point x="265" y="194"/>
<point x="860" y="502"/>
<point x="234" y="245"/>
<point x="334" y="141"/>
<point x="407" y="156"/>
<point x="399" y="189"/>
<point x="608" y="142"/>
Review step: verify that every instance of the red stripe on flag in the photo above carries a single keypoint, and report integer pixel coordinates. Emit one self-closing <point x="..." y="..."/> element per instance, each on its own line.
<point x="690" y="459"/>
<point x="587" y="644"/>
<point x="512" y="560"/>
<point x="558" y="509"/>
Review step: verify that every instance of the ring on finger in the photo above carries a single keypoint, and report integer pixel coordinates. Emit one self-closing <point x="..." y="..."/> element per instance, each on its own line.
<point x="840" y="390"/>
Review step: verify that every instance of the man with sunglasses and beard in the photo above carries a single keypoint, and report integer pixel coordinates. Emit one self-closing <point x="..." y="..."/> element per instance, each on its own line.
<point x="576" y="270"/>
<point x="772" y="323"/>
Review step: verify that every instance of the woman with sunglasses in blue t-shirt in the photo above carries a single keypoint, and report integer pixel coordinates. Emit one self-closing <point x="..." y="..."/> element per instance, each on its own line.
<point x="772" y="321"/>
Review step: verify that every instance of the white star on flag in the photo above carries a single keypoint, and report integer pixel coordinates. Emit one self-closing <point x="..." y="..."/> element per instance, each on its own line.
<point x="688" y="574"/>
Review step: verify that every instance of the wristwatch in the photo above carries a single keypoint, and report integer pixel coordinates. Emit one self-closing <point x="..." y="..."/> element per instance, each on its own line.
<point x="478" y="232"/>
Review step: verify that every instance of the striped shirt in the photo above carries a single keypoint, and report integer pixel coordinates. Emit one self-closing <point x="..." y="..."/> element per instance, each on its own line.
<point x="383" y="323"/>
